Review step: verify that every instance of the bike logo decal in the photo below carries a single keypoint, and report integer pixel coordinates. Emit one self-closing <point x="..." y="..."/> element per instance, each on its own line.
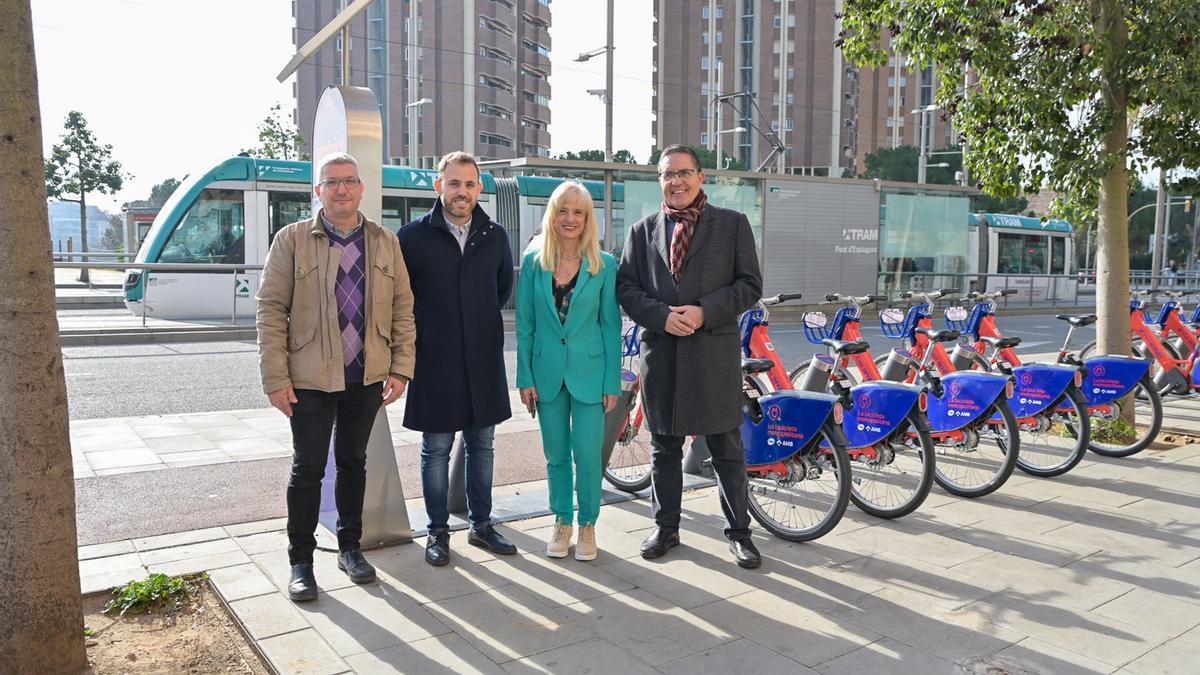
<point x="774" y="412"/>
<point x="1098" y="371"/>
<point x="1026" y="379"/>
<point x="955" y="388"/>
<point x="864" y="400"/>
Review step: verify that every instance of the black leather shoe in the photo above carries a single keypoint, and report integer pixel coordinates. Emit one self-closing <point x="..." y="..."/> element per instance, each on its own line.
<point x="488" y="538"/>
<point x="745" y="553"/>
<point x="658" y="543"/>
<point x="303" y="586"/>
<point x="437" y="549"/>
<point x="356" y="567"/>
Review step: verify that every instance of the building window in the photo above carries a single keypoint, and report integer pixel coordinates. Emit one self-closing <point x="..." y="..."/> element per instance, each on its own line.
<point x="495" y="26"/>
<point x="489" y="110"/>
<point x="495" y="139"/>
<point x="535" y="98"/>
<point x="531" y="72"/>
<point x="495" y="54"/>
<point x="720" y="11"/>
<point x="534" y="22"/>
<point x="791" y="21"/>
<point x="720" y="37"/>
<point x="529" y="149"/>
<point x="704" y="138"/>
<point x="532" y="123"/>
<point x="535" y="46"/>
<point x="495" y="83"/>
<point x="505" y="3"/>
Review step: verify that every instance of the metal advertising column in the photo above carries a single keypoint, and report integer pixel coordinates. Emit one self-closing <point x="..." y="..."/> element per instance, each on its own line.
<point x="347" y="120"/>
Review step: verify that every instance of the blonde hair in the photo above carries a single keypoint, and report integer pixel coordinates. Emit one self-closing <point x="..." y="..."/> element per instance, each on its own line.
<point x="589" y="241"/>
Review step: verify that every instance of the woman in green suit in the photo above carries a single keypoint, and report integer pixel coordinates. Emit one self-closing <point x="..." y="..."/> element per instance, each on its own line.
<point x="569" y="358"/>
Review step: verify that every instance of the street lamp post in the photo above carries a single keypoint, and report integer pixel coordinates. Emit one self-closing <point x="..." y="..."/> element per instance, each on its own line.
<point x="606" y="95"/>
<point x="924" y="140"/>
<point x="413" y="111"/>
<point x="720" y="153"/>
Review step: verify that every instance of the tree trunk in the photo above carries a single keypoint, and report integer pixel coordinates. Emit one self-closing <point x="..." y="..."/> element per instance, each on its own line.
<point x="83" y="243"/>
<point x="41" y="620"/>
<point x="1112" y="254"/>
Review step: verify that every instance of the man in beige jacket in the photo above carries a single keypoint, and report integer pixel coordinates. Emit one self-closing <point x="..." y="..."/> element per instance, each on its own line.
<point x="336" y="339"/>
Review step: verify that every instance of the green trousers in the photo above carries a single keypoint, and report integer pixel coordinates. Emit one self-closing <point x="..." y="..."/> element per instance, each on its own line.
<point x="572" y="432"/>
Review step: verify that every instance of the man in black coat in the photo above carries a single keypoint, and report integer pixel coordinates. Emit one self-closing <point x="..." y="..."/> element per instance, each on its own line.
<point x="461" y="272"/>
<point x="686" y="275"/>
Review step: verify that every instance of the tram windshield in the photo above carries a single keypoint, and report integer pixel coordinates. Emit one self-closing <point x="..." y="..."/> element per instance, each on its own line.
<point x="213" y="231"/>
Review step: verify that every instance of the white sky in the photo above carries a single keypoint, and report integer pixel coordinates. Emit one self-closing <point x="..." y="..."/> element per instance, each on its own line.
<point x="174" y="85"/>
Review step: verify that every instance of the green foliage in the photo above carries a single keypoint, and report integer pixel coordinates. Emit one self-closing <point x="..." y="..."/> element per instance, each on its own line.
<point x="1049" y="83"/>
<point x="1113" y="431"/>
<point x="898" y="163"/>
<point x="708" y="159"/>
<point x="161" y="192"/>
<point x="140" y="596"/>
<point x="79" y="165"/>
<point x="619" y="156"/>
<point x="277" y="139"/>
<point x="112" y="239"/>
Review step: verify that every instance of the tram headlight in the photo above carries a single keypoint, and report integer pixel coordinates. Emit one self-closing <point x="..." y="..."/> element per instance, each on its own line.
<point x="132" y="279"/>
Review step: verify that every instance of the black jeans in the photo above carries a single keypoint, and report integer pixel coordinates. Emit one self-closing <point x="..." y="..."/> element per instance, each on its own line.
<point x="729" y="460"/>
<point x="313" y="418"/>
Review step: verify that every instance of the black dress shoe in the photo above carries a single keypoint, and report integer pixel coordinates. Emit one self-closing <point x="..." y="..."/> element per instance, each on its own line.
<point x="745" y="553"/>
<point x="488" y="538"/>
<point x="437" y="549"/>
<point x="303" y="586"/>
<point x="658" y="543"/>
<point x="356" y="567"/>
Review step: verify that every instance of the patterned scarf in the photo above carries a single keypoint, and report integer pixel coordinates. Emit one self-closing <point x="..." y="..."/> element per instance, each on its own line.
<point x="685" y="228"/>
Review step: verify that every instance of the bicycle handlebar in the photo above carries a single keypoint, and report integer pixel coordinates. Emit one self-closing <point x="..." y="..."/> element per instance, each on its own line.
<point x="780" y="298"/>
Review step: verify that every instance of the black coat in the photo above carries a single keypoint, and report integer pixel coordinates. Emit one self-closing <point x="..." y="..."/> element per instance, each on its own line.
<point x="460" y="378"/>
<point x="692" y="385"/>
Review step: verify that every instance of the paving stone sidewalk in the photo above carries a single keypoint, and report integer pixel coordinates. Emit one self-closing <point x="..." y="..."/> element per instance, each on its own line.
<point x="104" y="447"/>
<point x="1095" y="571"/>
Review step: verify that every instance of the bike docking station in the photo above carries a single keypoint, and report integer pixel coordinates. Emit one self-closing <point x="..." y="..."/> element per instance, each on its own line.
<point x="347" y="120"/>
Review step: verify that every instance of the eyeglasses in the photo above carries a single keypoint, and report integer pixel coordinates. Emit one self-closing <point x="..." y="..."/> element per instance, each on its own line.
<point x="682" y="173"/>
<point x="333" y="183"/>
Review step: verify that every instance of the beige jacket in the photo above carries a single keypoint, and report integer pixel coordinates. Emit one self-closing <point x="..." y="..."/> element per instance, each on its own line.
<point x="299" y="341"/>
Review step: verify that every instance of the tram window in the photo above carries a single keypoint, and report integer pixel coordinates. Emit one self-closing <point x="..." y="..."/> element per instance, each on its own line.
<point x="1021" y="254"/>
<point x="419" y="206"/>
<point x="286" y="208"/>
<point x="1058" y="255"/>
<point x="213" y="231"/>
<point x="393" y="213"/>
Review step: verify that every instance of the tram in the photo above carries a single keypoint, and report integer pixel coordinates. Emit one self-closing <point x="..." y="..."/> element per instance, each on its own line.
<point x="1022" y="246"/>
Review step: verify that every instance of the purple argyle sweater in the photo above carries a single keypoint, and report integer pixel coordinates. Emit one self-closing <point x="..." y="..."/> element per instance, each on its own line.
<point x="351" y="294"/>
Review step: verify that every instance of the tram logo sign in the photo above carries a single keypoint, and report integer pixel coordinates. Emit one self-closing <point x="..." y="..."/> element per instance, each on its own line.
<point x="859" y="234"/>
<point x="241" y="287"/>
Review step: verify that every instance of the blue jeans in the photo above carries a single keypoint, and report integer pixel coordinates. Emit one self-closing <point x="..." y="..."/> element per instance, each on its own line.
<point x="435" y="478"/>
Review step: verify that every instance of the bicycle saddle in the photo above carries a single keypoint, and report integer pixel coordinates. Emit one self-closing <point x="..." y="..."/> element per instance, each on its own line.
<point x="1077" y="320"/>
<point x="939" y="335"/>
<point x="757" y="365"/>
<point x="846" y="347"/>
<point x="1001" y="342"/>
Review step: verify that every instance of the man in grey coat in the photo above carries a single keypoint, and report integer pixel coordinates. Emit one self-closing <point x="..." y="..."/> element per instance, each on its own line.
<point x="686" y="274"/>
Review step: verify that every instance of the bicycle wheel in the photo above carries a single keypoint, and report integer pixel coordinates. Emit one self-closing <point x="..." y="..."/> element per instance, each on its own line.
<point x="1060" y="440"/>
<point x="1089" y="350"/>
<point x="984" y="461"/>
<point x="897" y="479"/>
<point x="629" y="464"/>
<point x="810" y="500"/>
<point x="1147" y="421"/>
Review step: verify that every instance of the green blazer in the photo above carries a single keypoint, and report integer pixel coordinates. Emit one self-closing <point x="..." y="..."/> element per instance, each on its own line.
<point x="585" y="352"/>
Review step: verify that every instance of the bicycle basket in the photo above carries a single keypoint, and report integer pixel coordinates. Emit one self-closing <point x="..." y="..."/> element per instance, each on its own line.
<point x="816" y="327"/>
<point x="891" y="322"/>
<point x="957" y="318"/>
<point x="1165" y="311"/>
<point x="631" y="342"/>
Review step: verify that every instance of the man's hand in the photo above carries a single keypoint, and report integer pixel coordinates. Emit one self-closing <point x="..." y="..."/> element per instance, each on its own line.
<point x="610" y="402"/>
<point x="529" y="399"/>
<point x="693" y="313"/>
<point x="283" y="400"/>
<point x="678" y="325"/>
<point x="392" y="389"/>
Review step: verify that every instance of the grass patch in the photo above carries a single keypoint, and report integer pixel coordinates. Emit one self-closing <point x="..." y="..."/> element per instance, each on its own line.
<point x="151" y="592"/>
<point x="1115" y="431"/>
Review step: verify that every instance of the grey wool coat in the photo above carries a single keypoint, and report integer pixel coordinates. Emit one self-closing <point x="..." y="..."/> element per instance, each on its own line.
<point x="691" y="385"/>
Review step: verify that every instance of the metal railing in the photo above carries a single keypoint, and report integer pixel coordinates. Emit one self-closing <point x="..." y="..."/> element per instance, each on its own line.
<point x="1144" y="279"/>
<point x="1034" y="290"/>
<point x="233" y="269"/>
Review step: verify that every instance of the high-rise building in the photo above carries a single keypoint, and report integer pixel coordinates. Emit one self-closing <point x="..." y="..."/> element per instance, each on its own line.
<point x="834" y="114"/>
<point x="483" y="65"/>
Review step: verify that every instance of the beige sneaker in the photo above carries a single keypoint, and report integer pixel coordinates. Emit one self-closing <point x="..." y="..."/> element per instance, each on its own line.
<point x="560" y="541"/>
<point x="585" y="547"/>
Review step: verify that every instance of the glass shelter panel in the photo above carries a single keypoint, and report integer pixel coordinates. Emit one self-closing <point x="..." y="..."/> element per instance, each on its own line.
<point x="924" y="240"/>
